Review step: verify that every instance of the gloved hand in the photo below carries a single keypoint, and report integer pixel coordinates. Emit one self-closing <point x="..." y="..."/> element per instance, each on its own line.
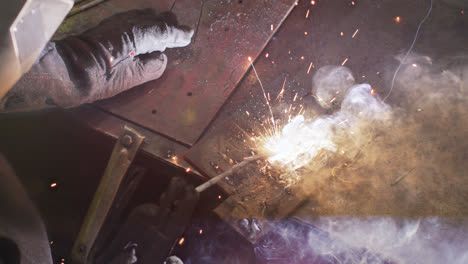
<point x="155" y="229"/>
<point x="121" y="52"/>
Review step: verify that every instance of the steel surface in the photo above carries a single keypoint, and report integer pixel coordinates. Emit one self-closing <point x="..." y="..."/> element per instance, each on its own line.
<point x="200" y="78"/>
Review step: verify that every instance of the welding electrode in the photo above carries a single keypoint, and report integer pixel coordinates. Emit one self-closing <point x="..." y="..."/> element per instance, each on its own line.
<point x="216" y="179"/>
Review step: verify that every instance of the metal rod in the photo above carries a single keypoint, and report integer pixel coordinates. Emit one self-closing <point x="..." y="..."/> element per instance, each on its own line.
<point x="216" y="179"/>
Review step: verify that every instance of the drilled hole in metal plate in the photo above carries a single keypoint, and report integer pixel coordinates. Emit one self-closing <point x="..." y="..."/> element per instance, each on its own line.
<point x="154" y="111"/>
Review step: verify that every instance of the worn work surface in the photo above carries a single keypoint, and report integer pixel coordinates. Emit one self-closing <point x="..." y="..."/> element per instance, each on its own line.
<point x="365" y="37"/>
<point x="200" y="77"/>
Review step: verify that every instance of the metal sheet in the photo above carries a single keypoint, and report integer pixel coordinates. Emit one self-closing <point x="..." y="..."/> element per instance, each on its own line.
<point x="200" y="77"/>
<point x="311" y="37"/>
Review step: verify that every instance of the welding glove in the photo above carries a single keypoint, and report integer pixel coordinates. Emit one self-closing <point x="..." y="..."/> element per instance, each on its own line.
<point x="155" y="229"/>
<point x="123" y="51"/>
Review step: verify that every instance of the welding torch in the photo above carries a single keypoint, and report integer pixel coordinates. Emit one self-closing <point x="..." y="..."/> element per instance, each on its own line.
<point x="229" y="172"/>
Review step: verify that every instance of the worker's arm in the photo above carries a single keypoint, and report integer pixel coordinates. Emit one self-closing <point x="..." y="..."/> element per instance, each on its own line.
<point x="23" y="238"/>
<point x="123" y="51"/>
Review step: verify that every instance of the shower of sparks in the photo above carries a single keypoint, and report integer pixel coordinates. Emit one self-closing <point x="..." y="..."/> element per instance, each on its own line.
<point x="355" y="33"/>
<point x="273" y="123"/>
<point x="310" y="66"/>
<point x="344" y="62"/>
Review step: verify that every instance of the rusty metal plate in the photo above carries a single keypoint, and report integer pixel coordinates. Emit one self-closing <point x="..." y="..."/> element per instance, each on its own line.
<point x="365" y="38"/>
<point x="200" y="77"/>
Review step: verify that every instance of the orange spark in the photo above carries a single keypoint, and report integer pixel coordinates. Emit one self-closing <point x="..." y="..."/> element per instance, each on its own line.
<point x="344" y="62"/>
<point x="342" y="122"/>
<point x="312" y="2"/>
<point x="372" y="91"/>
<point x="187" y="170"/>
<point x="201" y="231"/>
<point x="219" y="197"/>
<point x="181" y="241"/>
<point x="355" y="32"/>
<point x="310" y="66"/>
<point x="307" y="14"/>
<point x="302" y="57"/>
<point x="267" y="55"/>
<point x="250" y="59"/>
<point x="397" y="19"/>
<point x="53" y="185"/>
<point x="271" y="27"/>
<point x="305" y="33"/>
<point x="341" y="33"/>
<point x="280" y="95"/>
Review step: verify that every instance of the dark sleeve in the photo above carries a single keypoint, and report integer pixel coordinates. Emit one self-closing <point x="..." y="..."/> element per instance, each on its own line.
<point x="23" y="238"/>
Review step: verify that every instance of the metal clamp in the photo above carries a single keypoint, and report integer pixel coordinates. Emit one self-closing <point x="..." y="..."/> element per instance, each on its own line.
<point x="122" y="156"/>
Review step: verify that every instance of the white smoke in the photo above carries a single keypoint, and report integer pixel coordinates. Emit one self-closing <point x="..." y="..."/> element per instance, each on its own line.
<point x="370" y="240"/>
<point x="405" y="157"/>
<point x="301" y="140"/>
